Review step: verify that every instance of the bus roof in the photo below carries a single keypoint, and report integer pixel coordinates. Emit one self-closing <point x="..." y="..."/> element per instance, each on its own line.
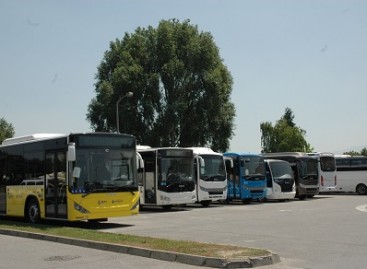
<point x="141" y="147"/>
<point x="289" y="156"/>
<point x="241" y="154"/>
<point x="28" y="138"/>
<point x="275" y="161"/>
<point x="203" y="151"/>
<point x="321" y="154"/>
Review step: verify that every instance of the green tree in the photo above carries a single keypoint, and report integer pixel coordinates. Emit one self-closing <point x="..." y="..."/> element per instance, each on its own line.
<point x="363" y="152"/>
<point x="6" y="130"/>
<point x="181" y="88"/>
<point x="284" y="135"/>
<point x="352" y="153"/>
<point x="289" y="117"/>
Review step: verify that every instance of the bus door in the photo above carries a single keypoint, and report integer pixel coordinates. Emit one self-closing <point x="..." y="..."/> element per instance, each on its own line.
<point x="233" y="181"/>
<point x="56" y="185"/>
<point x="2" y="184"/>
<point x="150" y="184"/>
<point x="301" y="192"/>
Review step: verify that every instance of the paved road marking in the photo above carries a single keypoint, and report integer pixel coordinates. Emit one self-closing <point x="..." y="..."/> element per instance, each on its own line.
<point x="362" y="208"/>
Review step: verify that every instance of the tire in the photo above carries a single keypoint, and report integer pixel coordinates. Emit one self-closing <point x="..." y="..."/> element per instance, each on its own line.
<point x="246" y="201"/>
<point x="32" y="212"/>
<point x="205" y="203"/>
<point x="361" y="189"/>
<point x="97" y="220"/>
<point x="167" y="207"/>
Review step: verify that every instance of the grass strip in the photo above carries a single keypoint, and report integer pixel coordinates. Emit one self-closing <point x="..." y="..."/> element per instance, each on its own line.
<point x="180" y="246"/>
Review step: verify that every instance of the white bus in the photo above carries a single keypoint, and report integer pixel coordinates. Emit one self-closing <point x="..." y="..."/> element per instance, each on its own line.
<point x="327" y="171"/>
<point x="167" y="178"/>
<point x="352" y="173"/>
<point x="304" y="169"/>
<point x="280" y="180"/>
<point x="210" y="175"/>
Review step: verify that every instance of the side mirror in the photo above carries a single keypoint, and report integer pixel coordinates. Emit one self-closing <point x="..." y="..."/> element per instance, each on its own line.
<point x="139" y="161"/>
<point x="202" y="162"/>
<point x="71" y="155"/>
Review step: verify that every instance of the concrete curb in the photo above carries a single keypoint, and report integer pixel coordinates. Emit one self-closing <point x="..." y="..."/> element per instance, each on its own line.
<point x="154" y="254"/>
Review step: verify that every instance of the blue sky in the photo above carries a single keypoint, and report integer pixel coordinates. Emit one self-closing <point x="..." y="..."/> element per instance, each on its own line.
<point x="309" y="55"/>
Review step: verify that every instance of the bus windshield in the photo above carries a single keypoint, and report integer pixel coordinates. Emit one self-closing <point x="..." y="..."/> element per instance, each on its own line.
<point x="280" y="171"/>
<point x="327" y="164"/>
<point x="253" y="167"/>
<point x="176" y="170"/>
<point x="214" y="169"/>
<point x="102" y="170"/>
<point x="308" y="168"/>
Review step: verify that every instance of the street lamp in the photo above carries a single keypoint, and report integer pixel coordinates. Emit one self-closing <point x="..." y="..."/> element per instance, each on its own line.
<point x="127" y="95"/>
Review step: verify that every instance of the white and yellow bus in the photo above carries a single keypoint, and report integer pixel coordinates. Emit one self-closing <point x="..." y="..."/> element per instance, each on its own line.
<point x="85" y="176"/>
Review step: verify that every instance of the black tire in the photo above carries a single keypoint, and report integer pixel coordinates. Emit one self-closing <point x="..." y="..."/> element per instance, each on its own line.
<point x="361" y="189"/>
<point x="246" y="201"/>
<point x="167" y="207"/>
<point x="205" y="203"/>
<point x="97" y="220"/>
<point x="32" y="212"/>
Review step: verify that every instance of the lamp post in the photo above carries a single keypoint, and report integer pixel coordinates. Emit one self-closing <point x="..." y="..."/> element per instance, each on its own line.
<point x="127" y="95"/>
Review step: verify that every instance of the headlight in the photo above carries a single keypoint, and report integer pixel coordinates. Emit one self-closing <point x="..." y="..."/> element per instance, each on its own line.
<point x="80" y="208"/>
<point x="203" y="189"/>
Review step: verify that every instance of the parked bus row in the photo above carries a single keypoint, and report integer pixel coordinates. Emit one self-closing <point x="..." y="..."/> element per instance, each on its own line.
<point x="167" y="180"/>
<point x="95" y="176"/>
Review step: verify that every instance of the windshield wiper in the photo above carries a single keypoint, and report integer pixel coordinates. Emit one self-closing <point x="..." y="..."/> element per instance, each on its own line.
<point x="214" y="177"/>
<point x="122" y="188"/>
<point x="253" y="176"/>
<point x="93" y="191"/>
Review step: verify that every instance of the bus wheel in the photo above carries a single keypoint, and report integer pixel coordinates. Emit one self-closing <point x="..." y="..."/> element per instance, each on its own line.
<point x="32" y="213"/>
<point x="205" y="203"/>
<point x="246" y="201"/>
<point x="167" y="207"/>
<point x="361" y="189"/>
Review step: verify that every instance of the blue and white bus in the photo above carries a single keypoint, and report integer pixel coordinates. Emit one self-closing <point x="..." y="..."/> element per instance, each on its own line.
<point x="246" y="178"/>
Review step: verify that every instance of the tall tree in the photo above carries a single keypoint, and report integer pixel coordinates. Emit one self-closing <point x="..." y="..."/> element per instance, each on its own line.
<point x="284" y="135"/>
<point x="6" y="130"/>
<point x="289" y="117"/>
<point x="181" y="88"/>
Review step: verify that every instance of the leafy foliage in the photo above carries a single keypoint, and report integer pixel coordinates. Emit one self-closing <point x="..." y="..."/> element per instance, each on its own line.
<point x="284" y="135"/>
<point x="181" y="88"/>
<point x="6" y="130"/>
<point x="363" y="152"/>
